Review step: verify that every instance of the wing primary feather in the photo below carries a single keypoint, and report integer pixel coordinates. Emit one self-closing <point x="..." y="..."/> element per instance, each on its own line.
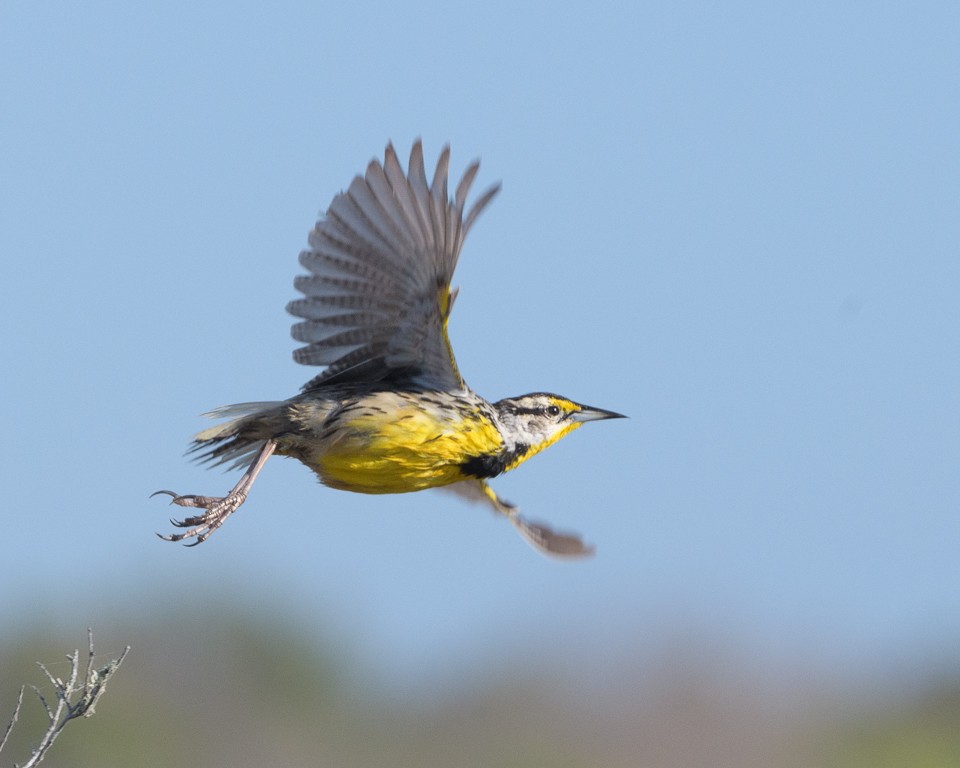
<point x="463" y="188"/>
<point x="421" y="193"/>
<point x="438" y="203"/>
<point x="477" y="208"/>
<point x="318" y="336"/>
<point x="330" y="287"/>
<point x="460" y="199"/>
<point x="439" y="186"/>
<point x="350" y="358"/>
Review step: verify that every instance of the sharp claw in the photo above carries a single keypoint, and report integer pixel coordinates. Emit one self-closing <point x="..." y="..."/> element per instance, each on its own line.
<point x="216" y="510"/>
<point x="180" y="537"/>
<point x="169" y="493"/>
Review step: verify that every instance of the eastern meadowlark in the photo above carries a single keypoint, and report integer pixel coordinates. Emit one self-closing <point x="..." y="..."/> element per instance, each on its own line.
<point x="390" y="413"/>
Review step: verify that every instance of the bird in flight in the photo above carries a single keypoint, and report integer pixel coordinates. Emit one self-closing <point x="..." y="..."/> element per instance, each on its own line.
<point x="390" y="412"/>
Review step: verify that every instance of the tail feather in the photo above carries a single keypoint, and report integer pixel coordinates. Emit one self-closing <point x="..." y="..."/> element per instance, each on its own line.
<point x="235" y="441"/>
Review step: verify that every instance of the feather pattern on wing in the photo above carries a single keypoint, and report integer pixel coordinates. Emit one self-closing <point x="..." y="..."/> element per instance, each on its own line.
<point x="377" y="296"/>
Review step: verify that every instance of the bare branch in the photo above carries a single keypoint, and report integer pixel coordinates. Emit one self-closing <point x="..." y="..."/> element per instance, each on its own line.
<point x="74" y="699"/>
<point x="13" y="719"/>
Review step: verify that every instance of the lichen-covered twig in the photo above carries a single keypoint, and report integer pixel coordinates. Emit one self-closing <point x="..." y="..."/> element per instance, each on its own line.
<point x="75" y="698"/>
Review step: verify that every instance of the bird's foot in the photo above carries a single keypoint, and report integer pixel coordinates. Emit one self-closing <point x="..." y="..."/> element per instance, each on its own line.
<point x="216" y="511"/>
<point x="545" y="539"/>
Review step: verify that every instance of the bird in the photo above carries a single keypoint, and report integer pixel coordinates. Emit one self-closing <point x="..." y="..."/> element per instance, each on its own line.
<point x="389" y="412"/>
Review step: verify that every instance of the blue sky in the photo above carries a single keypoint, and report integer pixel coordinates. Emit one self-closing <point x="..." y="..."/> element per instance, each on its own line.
<point x="737" y="223"/>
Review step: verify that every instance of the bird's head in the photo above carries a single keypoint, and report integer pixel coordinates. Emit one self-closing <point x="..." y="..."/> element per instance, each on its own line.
<point x="536" y="421"/>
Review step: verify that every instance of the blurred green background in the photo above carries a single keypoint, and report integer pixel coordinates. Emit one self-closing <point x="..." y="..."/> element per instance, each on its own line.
<point x="238" y="688"/>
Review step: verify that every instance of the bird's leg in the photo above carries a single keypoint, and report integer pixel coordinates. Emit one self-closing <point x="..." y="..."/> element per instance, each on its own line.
<point x="216" y="509"/>
<point x="548" y="541"/>
<point x="538" y="535"/>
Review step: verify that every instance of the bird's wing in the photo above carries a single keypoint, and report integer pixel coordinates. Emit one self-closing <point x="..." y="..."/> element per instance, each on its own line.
<point x="377" y="298"/>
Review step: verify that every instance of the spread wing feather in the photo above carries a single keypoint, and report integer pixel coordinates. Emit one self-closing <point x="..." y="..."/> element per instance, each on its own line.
<point x="380" y="262"/>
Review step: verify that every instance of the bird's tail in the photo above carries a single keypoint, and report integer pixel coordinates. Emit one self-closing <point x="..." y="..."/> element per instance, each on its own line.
<point x="237" y="440"/>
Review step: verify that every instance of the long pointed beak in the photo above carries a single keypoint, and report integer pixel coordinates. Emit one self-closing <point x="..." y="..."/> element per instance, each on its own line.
<point x="586" y="413"/>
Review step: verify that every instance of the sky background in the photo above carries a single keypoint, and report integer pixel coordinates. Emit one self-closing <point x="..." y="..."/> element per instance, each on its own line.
<point x="736" y="223"/>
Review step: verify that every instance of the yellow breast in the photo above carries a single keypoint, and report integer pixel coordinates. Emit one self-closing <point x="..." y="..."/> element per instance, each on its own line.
<point x="398" y="448"/>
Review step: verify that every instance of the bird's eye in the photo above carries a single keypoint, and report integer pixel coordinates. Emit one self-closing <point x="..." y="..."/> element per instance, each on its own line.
<point x="553" y="410"/>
